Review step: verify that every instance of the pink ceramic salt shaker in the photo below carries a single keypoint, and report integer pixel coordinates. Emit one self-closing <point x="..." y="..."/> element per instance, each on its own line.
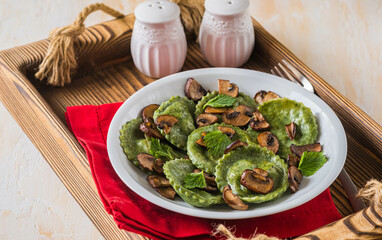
<point x="158" y="43"/>
<point x="226" y="35"/>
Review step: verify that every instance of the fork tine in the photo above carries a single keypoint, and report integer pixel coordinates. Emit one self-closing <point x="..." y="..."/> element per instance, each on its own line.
<point x="289" y="76"/>
<point x="303" y="80"/>
<point x="293" y="69"/>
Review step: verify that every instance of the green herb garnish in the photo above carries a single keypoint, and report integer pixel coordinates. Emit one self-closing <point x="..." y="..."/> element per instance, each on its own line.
<point x="220" y="100"/>
<point x="311" y="162"/>
<point x="195" y="180"/>
<point x="158" y="149"/>
<point x="216" y="142"/>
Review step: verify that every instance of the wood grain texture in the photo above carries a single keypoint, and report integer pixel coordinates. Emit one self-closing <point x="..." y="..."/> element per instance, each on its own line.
<point x="107" y="74"/>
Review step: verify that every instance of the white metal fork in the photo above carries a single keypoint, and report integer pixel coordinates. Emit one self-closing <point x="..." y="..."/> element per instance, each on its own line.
<point x="281" y="71"/>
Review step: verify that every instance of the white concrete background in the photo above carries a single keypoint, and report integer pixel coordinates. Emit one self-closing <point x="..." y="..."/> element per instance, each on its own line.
<point x="340" y="40"/>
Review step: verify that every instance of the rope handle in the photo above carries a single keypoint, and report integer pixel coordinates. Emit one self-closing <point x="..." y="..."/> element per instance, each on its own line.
<point x="60" y="59"/>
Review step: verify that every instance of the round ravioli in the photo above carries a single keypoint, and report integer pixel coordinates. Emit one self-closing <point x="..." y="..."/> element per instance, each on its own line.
<point x="182" y="109"/>
<point x="176" y="171"/>
<point x="283" y="111"/>
<point x="200" y="156"/>
<point x="232" y="165"/>
<point x="242" y="99"/>
<point x="133" y="140"/>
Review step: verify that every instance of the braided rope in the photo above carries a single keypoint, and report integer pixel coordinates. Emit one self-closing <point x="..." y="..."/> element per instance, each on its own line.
<point x="60" y="60"/>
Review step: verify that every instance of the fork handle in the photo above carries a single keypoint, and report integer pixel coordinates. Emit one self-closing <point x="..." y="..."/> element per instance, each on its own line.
<point x="351" y="191"/>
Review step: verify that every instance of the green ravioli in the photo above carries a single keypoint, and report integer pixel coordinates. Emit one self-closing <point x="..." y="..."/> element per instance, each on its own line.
<point x="232" y="165"/>
<point x="200" y="156"/>
<point x="182" y="109"/>
<point x="176" y="171"/>
<point x="133" y="140"/>
<point x="242" y="99"/>
<point x="281" y="112"/>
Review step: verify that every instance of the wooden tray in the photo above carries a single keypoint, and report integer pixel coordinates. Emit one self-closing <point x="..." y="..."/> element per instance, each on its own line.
<point x="107" y="74"/>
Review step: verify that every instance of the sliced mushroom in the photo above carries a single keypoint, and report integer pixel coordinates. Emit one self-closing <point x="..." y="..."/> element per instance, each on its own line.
<point x="258" y="122"/>
<point x="257" y="180"/>
<point x="291" y="130"/>
<point x="227" y="131"/>
<point x="294" y="178"/>
<point x="150" y="129"/>
<point x="210" y="109"/>
<point x="233" y="200"/>
<point x="234" y="145"/>
<point x="206" y="119"/>
<point x="146" y="161"/>
<point x="148" y="112"/>
<point x="166" y="122"/>
<point x="293" y="160"/>
<point x="193" y="90"/>
<point x="167" y="192"/>
<point x="299" y="150"/>
<point x="158" y="165"/>
<point x="210" y="179"/>
<point x="210" y="189"/>
<point x="264" y="96"/>
<point x="227" y="88"/>
<point x="247" y="111"/>
<point x="268" y="140"/>
<point x="158" y="181"/>
<point x="235" y="118"/>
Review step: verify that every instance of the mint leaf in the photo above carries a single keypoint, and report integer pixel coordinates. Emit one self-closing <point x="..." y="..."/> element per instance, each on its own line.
<point x="195" y="180"/>
<point x="158" y="149"/>
<point x="216" y="142"/>
<point x="311" y="162"/>
<point x="220" y="100"/>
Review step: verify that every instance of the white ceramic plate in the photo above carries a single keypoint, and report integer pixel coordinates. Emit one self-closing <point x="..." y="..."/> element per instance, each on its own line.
<point x="331" y="136"/>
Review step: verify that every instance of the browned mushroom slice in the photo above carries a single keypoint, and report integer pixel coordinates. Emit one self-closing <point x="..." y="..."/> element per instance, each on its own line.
<point x="148" y="112"/>
<point x="291" y="130"/>
<point x="247" y="111"/>
<point x="258" y="122"/>
<point x="234" y="145"/>
<point x="227" y="131"/>
<point x="299" y="150"/>
<point x="294" y="178"/>
<point x="293" y="160"/>
<point x="166" y="122"/>
<point x="158" y="165"/>
<point x="157" y="181"/>
<point x="193" y="90"/>
<point x="257" y="180"/>
<point x="210" y="189"/>
<point x="167" y="192"/>
<point x="264" y="96"/>
<point x="210" y="109"/>
<point x="268" y="140"/>
<point x="210" y="179"/>
<point x="233" y="200"/>
<point x="206" y="119"/>
<point x="234" y="118"/>
<point x="227" y="88"/>
<point x="150" y="129"/>
<point x="146" y="161"/>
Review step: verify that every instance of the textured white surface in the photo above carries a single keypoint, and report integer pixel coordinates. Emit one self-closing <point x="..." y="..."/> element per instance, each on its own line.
<point x="340" y="40"/>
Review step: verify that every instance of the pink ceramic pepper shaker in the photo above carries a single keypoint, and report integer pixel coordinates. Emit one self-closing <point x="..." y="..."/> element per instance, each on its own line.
<point x="158" y="43"/>
<point x="226" y="35"/>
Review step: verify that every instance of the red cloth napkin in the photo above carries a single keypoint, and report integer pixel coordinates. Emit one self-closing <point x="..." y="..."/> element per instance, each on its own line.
<point x="133" y="213"/>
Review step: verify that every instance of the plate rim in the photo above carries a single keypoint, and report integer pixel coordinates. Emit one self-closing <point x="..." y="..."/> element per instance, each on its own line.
<point x="200" y="212"/>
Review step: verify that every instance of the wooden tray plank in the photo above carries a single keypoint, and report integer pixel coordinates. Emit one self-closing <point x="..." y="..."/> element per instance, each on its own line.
<point x="107" y="74"/>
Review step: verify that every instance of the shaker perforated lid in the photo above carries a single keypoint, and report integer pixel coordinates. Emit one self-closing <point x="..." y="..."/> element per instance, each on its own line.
<point x="157" y="11"/>
<point x="226" y="7"/>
